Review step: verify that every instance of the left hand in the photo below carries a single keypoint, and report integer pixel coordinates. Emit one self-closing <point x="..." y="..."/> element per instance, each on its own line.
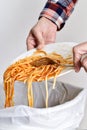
<point x="42" y="33"/>
<point x="80" y="56"/>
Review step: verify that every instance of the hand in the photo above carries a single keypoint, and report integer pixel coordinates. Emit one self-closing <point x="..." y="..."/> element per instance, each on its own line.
<point x="80" y="56"/>
<point x="42" y="33"/>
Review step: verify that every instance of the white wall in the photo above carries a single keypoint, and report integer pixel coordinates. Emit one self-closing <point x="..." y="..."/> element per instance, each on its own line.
<point x="18" y="16"/>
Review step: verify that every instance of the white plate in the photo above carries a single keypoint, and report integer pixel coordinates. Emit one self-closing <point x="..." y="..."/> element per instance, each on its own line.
<point x="63" y="48"/>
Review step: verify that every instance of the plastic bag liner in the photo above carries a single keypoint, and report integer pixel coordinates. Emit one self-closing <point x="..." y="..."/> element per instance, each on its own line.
<point x="66" y="107"/>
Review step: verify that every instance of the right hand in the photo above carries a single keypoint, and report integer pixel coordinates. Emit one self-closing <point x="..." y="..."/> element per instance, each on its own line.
<point x="80" y="56"/>
<point x="42" y="33"/>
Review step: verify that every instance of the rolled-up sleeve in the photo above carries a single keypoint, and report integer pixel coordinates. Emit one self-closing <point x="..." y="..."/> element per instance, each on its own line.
<point x="58" y="11"/>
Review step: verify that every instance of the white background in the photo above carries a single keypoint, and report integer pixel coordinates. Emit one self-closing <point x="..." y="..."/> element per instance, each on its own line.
<point x="16" y="19"/>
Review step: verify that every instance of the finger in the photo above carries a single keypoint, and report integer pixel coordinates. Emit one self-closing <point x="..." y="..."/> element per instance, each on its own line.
<point x="31" y="45"/>
<point x="30" y="41"/>
<point x="76" y="59"/>
<point x="39" y="39"/>
<point x="84" y="63"/>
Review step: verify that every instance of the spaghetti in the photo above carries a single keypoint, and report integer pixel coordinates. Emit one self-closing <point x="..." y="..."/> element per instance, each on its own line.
<point x="30" y="69"/>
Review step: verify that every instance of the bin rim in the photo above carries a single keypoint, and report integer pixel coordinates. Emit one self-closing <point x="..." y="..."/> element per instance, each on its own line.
<point x="82" y="93"/>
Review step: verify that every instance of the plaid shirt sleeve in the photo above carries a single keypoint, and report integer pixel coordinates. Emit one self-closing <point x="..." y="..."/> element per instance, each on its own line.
<point x="58" y="11"/>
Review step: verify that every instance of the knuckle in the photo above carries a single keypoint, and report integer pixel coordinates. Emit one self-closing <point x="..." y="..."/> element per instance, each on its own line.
<point x="75" y="49"/>
<point x="34" y="30"/>
<point x="27" y="40"/>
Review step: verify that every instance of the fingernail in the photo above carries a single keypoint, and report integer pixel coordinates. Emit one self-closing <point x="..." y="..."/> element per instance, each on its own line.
<point x="77" y="69"/>
<point x="40" y="46"/>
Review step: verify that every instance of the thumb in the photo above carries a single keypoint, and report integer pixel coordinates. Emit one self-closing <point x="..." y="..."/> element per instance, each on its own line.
<point x="39" y="39"/>
<point x="41" y="43"/>
<point x="77" y="61"/>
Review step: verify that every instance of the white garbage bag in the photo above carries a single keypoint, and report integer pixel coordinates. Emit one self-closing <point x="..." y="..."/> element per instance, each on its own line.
<point x="65" y="110"/>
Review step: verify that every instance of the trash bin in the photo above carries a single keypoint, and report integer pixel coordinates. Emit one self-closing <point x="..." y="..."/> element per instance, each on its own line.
<point x="65" y="110"/>
<point x="66" y="103"/>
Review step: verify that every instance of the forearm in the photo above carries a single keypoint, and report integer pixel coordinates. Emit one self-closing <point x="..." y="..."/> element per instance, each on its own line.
<point x="58" y="11"/>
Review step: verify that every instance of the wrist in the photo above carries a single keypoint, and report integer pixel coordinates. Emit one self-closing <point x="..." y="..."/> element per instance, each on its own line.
<point x="50" y="22"/>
